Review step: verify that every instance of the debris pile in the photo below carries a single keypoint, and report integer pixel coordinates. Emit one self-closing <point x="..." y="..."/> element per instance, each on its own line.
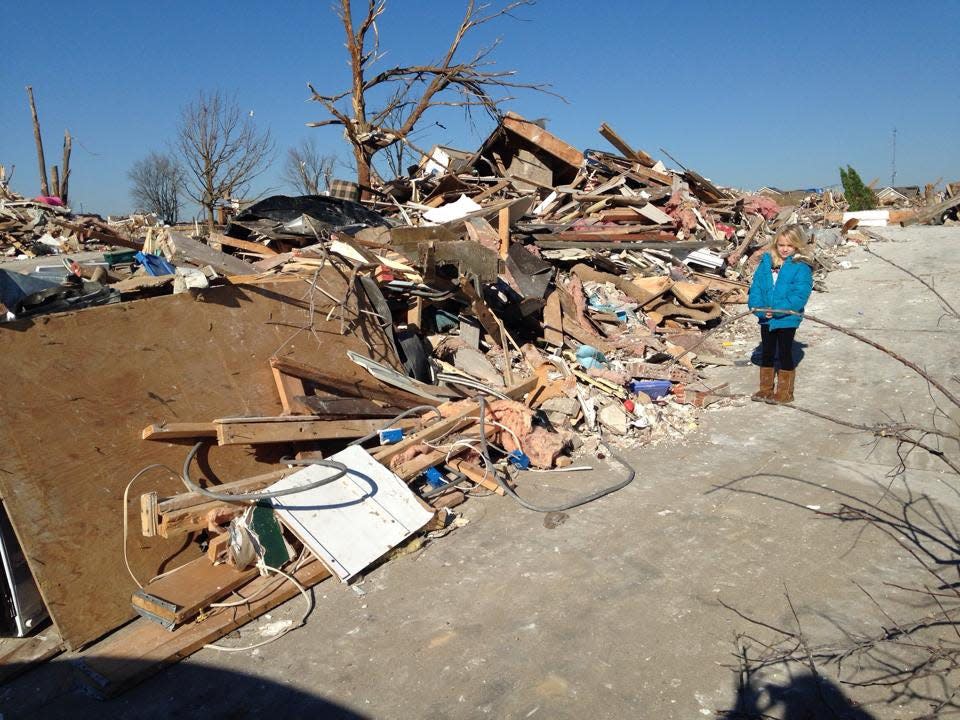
<point x="333" y="376"/>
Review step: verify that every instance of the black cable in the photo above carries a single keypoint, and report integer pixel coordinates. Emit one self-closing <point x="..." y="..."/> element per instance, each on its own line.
<point x="255" y="497"/>
<point x="631" y="474"/>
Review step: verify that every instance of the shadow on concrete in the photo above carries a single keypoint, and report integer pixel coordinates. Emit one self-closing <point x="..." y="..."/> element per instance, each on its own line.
<point x="60" y="689"/>
<point x="897" y="657"/>
<point x="798" y="354"/>
<point x="805" y="697"/>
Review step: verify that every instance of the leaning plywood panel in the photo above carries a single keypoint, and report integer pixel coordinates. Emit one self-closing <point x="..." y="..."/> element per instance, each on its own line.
<point x="78" y="388"/>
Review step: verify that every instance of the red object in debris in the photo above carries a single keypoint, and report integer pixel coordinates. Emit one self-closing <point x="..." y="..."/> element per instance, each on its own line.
<point x="384" y="274"/>
<point x="725" y="229"/>
<point x="49" y="200"/>
<point x="679" y="391"/>
<point x="629" y="406"/>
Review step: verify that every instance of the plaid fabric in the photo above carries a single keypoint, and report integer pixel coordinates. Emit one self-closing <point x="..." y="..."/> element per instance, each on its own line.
<point x="345" y="190"/>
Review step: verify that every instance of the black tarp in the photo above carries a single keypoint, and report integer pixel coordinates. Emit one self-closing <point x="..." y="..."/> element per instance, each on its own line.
<point x="330" y="211"/>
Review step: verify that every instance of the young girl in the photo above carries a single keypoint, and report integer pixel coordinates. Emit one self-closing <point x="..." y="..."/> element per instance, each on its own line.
<point x="782" y="281"/>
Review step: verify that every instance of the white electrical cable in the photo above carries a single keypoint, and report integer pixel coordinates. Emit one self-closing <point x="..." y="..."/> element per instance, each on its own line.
<point x="126" y="503"/>
<point x="303" y="619"/>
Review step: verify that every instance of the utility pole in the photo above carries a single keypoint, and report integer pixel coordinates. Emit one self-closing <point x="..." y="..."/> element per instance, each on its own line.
<point x="893" y="160"/>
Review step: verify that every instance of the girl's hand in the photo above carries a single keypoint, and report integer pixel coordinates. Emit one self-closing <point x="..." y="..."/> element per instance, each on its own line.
<point x="768" y="314"/>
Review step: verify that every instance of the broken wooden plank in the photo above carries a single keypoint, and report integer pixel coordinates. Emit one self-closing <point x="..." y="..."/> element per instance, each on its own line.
<point x="546" y="141"/>
<point x="329" y="406"/>
<point x="480" y="310"/>
<point x="17" y="655"/>
<point x="336" y="384"/>
<point x="475" y="474"/>
<point x="142" y="648"/>
<point x="620" y="144"/>
<point x="254" y="247"/>
<point x="254" y="431"/>
<point x="601" y="244"/>
<point x="290" y="388"/>
<point x="443" y="427"/>
<point x="188" y="250"/>
<point x="931" y="213"/>
<point x="178" y="431"/>
<point x="655" y="214"/>
<point x="553" y="321"/>
<point x="175" y="598"/>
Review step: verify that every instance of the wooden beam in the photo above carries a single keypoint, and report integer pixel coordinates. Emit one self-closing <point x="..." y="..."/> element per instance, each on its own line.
<point x="254" y="247"/>
<point x="448" y="425"/>
<point x="336" y="385"/>
<point x="180" y="596"/>
<point x="490" y="191"/>
<point x="289" y="388"/>
<point x="620" y="144"/>
<point x="17" y="655"/>
<point x="255" y="431"/>
<point x="504" y="229"/>
<point x="178" y="431"/>
<point x="544" y="140"/>
<point x="476" y="474"/>
<point x="553" y="321"/>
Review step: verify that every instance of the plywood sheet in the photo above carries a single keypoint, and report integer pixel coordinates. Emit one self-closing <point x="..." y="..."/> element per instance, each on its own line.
<point x="77" y="390"/>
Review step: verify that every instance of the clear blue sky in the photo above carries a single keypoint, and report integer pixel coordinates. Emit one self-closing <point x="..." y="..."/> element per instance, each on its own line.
<point x="749" y="94"/>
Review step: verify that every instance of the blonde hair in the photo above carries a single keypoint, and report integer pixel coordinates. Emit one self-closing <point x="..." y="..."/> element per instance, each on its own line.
<point x="799" y="239"/>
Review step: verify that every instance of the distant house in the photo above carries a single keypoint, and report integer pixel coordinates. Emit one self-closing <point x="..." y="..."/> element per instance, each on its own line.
<point x="770" y="191"/>
<point x="788" y="197"/>
<point x="898" y="195"/>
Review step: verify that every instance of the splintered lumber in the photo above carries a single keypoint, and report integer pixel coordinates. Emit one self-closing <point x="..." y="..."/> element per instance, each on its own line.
<point x="17" y="655"/>
<point x="475" y="474"/>
<point x="175" y="598"/>
<point x="461" y="420"/>
<point x="610" y="235"/>
<point x="931" y="213"/>
<point x="253" y="247"/>
<point x="546" y="141"/>
<point x="186" y="249"/>
<point x="620" y="144"/>
<point x="142" y="648"/>
<point x="189" y="512"/>
<point x="254" y="431"/>
<point x="601" y="244"/>
<point x="412" y="468"/>
<point x="479" y="308"/>
<point x="336" y="384"/>
<point x="552" y="321"/>
<point x="330" y="407"/>
<point x="289" y="389"/>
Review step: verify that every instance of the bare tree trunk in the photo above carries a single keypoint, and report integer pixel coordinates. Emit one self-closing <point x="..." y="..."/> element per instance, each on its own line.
<point x="55" y="174"/>
<point x="44" y="188"/>
<point x="363" y="172"/>
<point x="65" y="179"/>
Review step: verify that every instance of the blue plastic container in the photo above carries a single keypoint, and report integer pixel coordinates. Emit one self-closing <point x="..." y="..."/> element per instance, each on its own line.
<point x="656" y="389"/>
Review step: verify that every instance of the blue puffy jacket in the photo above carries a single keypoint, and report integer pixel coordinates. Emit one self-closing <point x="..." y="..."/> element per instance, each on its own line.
<point x="790" y="291"/>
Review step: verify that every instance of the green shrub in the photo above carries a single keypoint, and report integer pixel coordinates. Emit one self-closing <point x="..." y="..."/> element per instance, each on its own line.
<point x="859" y="196"/>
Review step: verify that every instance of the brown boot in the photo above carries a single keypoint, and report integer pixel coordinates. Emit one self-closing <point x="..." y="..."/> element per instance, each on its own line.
<point x="767" y="375"/>
<point x="784" y="393"/>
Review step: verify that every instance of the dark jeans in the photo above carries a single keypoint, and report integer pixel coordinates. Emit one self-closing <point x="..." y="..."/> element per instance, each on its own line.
<point x="777" y="343"/>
